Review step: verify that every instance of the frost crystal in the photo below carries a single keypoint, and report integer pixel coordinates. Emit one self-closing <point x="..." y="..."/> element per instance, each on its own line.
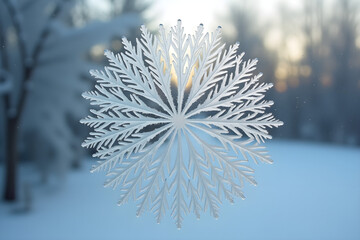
<point x="179" y="118"/>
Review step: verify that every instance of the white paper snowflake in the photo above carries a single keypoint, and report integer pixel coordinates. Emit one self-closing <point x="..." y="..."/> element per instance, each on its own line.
<point x="178" y="120"/>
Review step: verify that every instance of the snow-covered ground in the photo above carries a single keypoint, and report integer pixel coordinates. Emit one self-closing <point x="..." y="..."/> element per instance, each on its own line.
<point x="312" y="191"/>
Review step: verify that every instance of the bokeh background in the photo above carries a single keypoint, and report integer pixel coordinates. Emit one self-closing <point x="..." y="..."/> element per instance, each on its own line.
<point x="309" y="50"/>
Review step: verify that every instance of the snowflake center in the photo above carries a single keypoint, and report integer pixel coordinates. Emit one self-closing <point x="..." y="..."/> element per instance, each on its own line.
<point x="179" y="120"/>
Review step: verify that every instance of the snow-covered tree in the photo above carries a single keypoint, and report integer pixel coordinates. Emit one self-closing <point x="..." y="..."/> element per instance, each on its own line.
<point x="42" y="59"/>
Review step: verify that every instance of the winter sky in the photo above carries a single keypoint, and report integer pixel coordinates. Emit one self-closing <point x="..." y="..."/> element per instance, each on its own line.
<point x="208" y="12"/>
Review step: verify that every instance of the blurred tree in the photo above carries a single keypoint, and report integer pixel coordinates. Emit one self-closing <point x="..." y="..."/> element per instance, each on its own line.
<point x="250" y="34"/>
<point x="41" y="61"/>
<point x="332" y="57"/>
<point x="346" y="71"/>
<point x="288" y="90"/>
<point x="315" y="34"/>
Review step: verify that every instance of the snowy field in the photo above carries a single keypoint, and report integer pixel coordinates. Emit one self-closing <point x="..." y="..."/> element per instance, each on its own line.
<point x="312" y="191"/>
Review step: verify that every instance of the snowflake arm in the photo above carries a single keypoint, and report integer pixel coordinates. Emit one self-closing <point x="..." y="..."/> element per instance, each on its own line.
<point x="157" y="168"/>
<point x="179" y="206"/>
<point x="210" y="51"/>
<point x="115" y="154"/>
<point x="150" y="47"/>
<point x="216" y="73"/>
<point x="204" y="186"/>
<point x="160" y="202"/>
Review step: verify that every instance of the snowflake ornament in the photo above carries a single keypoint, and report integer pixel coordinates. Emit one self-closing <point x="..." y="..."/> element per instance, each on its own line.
<point x="179" y="120"/>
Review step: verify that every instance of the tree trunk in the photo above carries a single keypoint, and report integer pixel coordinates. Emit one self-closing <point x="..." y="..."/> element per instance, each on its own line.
<point x="11" y="159"/>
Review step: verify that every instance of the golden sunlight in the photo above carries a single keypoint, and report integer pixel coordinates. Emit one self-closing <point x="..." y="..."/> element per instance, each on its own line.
<point x="294" y="48"/>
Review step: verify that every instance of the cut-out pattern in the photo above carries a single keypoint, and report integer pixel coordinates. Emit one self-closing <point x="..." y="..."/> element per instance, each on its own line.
<point x="179" y="118"/>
